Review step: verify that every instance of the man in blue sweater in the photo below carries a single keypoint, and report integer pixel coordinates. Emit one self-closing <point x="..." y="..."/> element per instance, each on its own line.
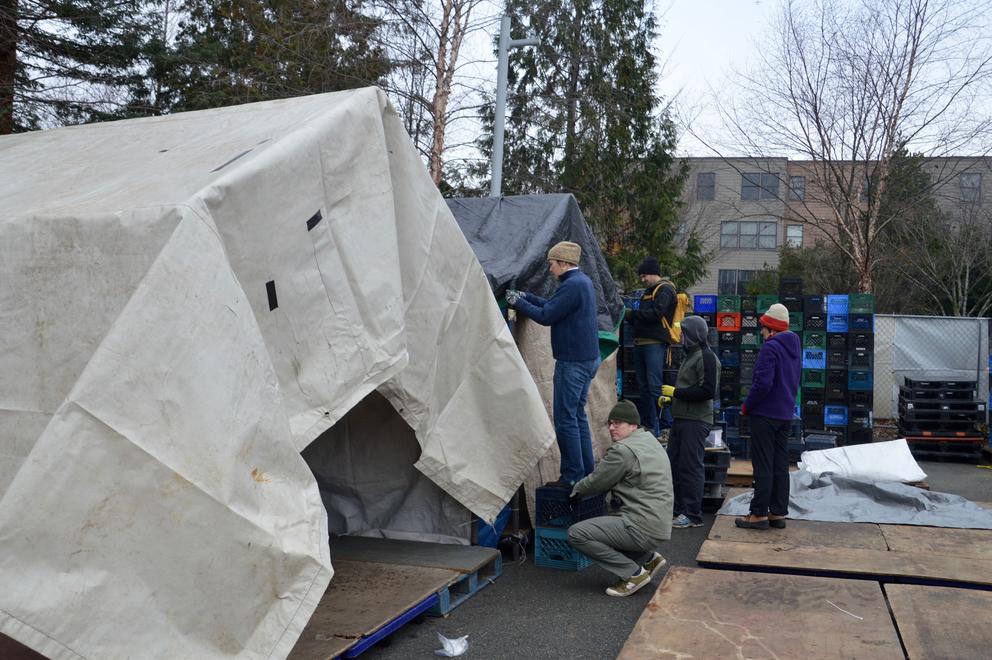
<point x="770" y="405"/>
<point x="571" y="313"/>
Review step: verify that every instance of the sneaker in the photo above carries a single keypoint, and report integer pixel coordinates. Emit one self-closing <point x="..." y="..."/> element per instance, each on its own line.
<point x="630" y="585"/>
<point x="683" y="522"/>
<point x="655" y="565"/>
<point x="663" y="436"/>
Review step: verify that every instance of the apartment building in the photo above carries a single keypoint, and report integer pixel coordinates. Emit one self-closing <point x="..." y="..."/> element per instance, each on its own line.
<point x="745" y="209"/>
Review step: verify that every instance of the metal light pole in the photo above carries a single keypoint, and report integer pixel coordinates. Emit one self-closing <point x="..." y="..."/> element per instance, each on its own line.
<point x="505" y="44"/>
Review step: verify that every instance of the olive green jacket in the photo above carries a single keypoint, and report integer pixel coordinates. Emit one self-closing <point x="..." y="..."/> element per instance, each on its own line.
<point x="637" y="470"/>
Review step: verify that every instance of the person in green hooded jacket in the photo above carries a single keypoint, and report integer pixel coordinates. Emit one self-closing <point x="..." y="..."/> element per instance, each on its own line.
<point x="636" y="469"/>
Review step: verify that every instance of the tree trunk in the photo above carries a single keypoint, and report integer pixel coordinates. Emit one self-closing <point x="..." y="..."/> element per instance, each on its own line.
<point x="8" y="63"/>
<point x="572" y="102"/>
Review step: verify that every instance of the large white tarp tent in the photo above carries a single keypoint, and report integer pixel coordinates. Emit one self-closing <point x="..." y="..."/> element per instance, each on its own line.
<point x="186" y="304"/>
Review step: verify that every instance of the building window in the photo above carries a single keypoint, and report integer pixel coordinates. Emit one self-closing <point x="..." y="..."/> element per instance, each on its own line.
<point x="706" y="186"/>
<point x="971" y="186"/>
<point x="749" y="235"/>
<point x="794" y="236"/>
<point x="734" y="282"/>
<point x="797" y="188"/>
<point x="759" y="185"/>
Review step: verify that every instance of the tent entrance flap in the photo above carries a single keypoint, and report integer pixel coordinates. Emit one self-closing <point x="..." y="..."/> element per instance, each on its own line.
<point x="364" y="466"/>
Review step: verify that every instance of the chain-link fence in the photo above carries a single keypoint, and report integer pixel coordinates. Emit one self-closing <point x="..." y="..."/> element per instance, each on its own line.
<point x="927" y="348"/>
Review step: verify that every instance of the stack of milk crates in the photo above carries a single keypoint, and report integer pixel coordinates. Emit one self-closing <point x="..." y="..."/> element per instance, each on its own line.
<point x="838" y="369"/>
<point x="554" y="514"/>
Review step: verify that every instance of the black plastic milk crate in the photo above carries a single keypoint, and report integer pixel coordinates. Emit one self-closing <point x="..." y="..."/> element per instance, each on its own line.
<point x="748" y="357"/>
<point x="840" y="432"/>
<point x="836" y="340"/>
<point x="861" y="358"/>
<point x="729" y="339"/>
<point x="813" y="421"/>
<point x="813" y="397"/>
<point x="790" y="286"/>
<point x="815" y="321"/>
<point x="860" y="400"/>
<point x="859" y="435"/>
<point x="861" y="339"/>
<point x="835" y="394"/>
<point x="792" y="303"/>
<point x="729" y="357"/>
<point x="730" y="375"/>
<point x="555" y="510"/>
<point x="716" y="458"/>
<point x="709" y="317"/>
<point x="837" y="377"/>
<point x="836" y="359"/>
<point x="749" y="321"/>
<point x="813" y="305"/>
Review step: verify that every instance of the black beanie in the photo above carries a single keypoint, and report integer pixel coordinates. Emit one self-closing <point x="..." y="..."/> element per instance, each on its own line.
<point x="649" y="267"/>
<point x="625" y="411"/>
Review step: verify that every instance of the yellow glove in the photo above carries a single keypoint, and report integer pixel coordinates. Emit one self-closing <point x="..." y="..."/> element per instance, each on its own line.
<point x="668" y="391"/>
<point x="664" y="401"/>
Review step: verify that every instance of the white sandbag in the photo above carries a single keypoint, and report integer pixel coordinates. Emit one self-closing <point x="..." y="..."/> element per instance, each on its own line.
<point x="877" y="461"/>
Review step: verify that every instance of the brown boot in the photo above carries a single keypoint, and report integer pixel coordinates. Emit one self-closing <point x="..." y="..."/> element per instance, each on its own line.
<point x="752" y="521"/>
<point x="778" y="522"/>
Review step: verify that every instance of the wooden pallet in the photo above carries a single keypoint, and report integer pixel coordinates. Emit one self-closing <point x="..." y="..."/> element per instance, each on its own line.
<point x="698" y="613"/>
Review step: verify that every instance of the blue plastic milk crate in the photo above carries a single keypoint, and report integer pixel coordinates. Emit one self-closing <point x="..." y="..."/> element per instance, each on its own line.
<point x="704" y="304"/>
<point x="836" y="322"/>
<point x="837" y="304"/>
<point x="834" y="415"/>
<point x="555" y="510"/>
<point x="860" y="380"/>
<point x="551" y="550"/>
<point x="814" y="358"/>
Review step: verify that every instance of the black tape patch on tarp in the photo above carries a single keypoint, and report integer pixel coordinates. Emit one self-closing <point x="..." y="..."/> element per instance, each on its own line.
<point x="314" y="219"/>
<point x="241" y="155"/>
<point x="270" y="290"/>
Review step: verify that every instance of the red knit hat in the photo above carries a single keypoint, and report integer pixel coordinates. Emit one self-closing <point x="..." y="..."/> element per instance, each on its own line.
<point x="776" y="318"/>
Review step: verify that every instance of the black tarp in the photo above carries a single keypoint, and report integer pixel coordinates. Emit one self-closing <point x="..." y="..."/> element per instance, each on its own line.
<point x="511" y="237"/>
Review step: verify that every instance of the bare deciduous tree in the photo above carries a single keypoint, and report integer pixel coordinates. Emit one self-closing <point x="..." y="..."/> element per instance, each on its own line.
<point x="845" y="85"/>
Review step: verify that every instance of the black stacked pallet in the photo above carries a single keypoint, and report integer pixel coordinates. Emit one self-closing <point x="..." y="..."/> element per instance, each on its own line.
<point x="942" y="418"/>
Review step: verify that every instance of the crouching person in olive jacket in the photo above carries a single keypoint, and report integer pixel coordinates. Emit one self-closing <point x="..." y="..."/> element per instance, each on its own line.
<point x="637" y="470"/>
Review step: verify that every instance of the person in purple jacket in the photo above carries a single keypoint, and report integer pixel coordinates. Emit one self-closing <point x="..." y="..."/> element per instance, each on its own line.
<point x="769" y="405"/>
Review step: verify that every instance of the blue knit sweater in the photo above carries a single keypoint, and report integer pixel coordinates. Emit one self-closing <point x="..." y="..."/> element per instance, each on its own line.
<point x="776" y="377"/>
<point x="571" y="313"/>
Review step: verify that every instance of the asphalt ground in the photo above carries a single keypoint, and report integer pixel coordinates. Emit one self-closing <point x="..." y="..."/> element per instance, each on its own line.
<point x="532" y="612"/>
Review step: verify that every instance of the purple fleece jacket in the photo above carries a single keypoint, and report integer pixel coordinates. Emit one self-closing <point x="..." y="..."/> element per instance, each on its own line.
<point x="776" y="377"/>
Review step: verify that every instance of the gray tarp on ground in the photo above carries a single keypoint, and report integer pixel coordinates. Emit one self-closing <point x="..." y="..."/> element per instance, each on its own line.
<point x="186" y="304"/>
<point x="833" y="498"/>
<point x="511" y="237"/>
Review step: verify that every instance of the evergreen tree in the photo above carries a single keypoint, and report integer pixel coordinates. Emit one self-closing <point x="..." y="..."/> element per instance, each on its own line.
<point x="583" y="117"/>
<point x="68" y="61"/>
<point x="239" y="51"/>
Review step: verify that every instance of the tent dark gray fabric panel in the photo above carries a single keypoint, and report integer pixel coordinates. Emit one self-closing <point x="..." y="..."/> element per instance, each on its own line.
<point x="511" y="237"/>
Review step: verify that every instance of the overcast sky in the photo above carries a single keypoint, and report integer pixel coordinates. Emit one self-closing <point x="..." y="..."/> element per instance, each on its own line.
<point x="700" y="43"/>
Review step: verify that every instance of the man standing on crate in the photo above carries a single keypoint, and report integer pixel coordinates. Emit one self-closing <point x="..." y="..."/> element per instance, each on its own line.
<point x="636" y="469"/>
<point x="571" y="313"/>
<point x="769" y="406"/>
<point x="651" y="343"/>
<point x="691" y="401"/>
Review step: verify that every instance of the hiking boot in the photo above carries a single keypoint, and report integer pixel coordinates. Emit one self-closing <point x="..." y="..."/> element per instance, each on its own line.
<point x="630" y="585"/>
<point x="752" y="522"/>
<point x="655" y="565"/>
<point x="778" y="522"/>
<point x="683" y="522"/>
<point x="663" y="436"/>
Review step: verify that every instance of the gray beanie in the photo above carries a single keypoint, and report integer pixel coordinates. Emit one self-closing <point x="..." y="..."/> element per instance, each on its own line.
<point x="625" y="411"/>
<point x="694" y="331"/>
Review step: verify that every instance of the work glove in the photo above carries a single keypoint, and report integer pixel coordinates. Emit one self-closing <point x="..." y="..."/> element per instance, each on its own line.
<point x="668" y="390"/>
<point x="664" y="401"/>
<point x="512" y="296"/>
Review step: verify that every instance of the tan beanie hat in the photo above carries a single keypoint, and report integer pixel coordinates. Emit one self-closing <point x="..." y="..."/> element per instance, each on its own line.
<point x="776" y="318"/>
<point x="565" y="251"/>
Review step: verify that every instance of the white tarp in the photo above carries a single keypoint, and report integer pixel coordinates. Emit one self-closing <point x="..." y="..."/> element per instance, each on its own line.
<point x="185" y="304"/>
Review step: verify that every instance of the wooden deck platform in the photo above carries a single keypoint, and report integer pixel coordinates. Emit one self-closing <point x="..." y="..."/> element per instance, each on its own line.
<point x="700" y="613"/>
<point x="940" y="622"/>
<point x="887" y="553"/>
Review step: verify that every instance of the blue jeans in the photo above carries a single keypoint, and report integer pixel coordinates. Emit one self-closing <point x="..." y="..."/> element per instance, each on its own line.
<point x="649" y="365"/>
<point x="572" y="381"/>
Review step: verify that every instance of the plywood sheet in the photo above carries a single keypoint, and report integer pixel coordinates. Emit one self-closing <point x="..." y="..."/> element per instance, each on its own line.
<point x="803" y="532"/>
<point x="363" y="597"/>
<point x="942" y="622"/>
<point x="844" y="561"/>
<point x="461" y="558"/>
<point x="699" y="613"/>
<point x="945" y="541"/>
